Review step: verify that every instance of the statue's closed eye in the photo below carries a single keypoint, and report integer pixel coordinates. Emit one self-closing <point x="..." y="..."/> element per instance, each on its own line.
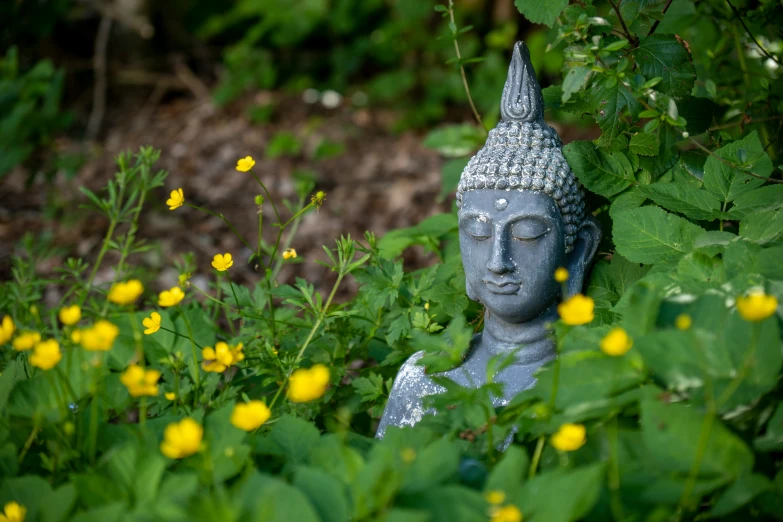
<point x="529" y="229"/>
<point x="478" y="230"/>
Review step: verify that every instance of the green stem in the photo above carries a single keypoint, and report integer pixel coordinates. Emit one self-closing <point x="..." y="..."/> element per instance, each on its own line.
<point x="704" y="437"/>
<point x="236" y="299"/>
<point x="462" y="70"/>
<point x="29" y="442"/>
<point x="536" y="456"/>
<point x="315" y="327"/>
<point x="93" y="437"/>
<point x="747" y="363"/>
<point x="616" y="502"/>
<point x="180" y="335"/>
<point x="197" y="376"/>
<point x="268" y="197"/>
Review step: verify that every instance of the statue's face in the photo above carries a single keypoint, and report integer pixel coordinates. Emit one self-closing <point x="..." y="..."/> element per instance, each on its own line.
<point x="512" y="242"/>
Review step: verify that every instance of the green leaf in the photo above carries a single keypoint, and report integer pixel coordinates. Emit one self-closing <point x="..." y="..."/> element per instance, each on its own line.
<point x="591" y="377"/>
<point x="454" y="141"/>
<point x="272" y="500"/>
<point x="665" y="56"/>
<point x="630" y="199"/>
<point x="671" y="435"/>
<point x="645" y="144"/>
<point x="745" y="489"/>
<point x="603" y="173"/>
<point x="449" y="502"/>
<point x="713" y="242"/>
<point x="509" y="474"/>
<point x="612" y="278"/>
<point x="434" y="465"/>
<point x="727" y="182"/>
<point x="540" y="12"/>
<point x="293" y="437"/>
<point x="684" y="198"/>
<point x="762" y="227"/>
<point x="608" y="99"/>
<point x="328" y="496"/>
<point x="772" y="439"/>
<point x="765" y="198"/>
<point x="543" y="497"/>
<point x="574" y="81"/>
<point x="698" y="112"/>
<point x="652" y="235"/>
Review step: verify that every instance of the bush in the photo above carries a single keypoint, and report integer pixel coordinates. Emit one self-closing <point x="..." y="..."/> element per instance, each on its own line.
<point x="229" y="403"/>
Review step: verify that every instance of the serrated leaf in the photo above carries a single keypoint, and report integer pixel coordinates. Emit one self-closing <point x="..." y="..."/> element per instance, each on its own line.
<point x="645" y="144"/>
<point x="765" y="198"/>
<point x="664" y="55"/>
<point x="652" y="235"/>
<point x="540" y="12"/>
<point x="574" y="81"/>
<point x="608" y="99"/>
<point x="728" y="182"/>
<point x="683" y="198"/>
<point x="603" y="173"/>
<point x="762" y="227"/>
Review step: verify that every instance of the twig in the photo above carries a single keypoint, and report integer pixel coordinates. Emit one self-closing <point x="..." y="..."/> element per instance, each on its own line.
<point x="655" y="25"/>
<point x="739" y="17"/>
<point x="631" y="38"/>
<point x="732" y="165"/>
<point x="99" y="88"/>
<point x="462" y="71"/>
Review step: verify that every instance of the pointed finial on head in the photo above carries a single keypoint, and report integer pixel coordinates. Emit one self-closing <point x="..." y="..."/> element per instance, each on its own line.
<point x="522" y="99"/>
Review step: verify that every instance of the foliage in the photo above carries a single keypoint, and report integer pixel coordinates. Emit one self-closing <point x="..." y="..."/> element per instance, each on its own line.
<point x="686" y="424"/>
<point x="30" y="109"/>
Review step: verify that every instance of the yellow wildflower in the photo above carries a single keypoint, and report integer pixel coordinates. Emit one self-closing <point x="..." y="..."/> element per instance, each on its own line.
<point x="127" y="292"/>
<point x="76" y="336"/>
<point x="25" y="341"/>
<point x="216" y="359"/>
<point x="182" y="439"/>
<point x="289" y="253"/>
<point x="245" y="164"/>
<point x="100" y="336"/>
<point x="569" y="437"/>
<point x="171" y="297"/>
<point x="46" y="355"/>
<point x="616" y="342"/>
<point x="176" y="200"/>
<point x="13" y="512"/>
<point x="757" y="306"/>
<point x="576" y="310"/>
<point x="7" y="329"/>
<point x="70" y="315"/>
<point x="306" y="385"/>
<point x="683" y="322"/>
<point x="495" y="496"/>
<point x="509" y="513"/>
<point x="561" y="275"/>
<point x="140" y="381"/>
<point x="170" y="396"/>
<point x="408" y="455"/>
<point x="221" y="357"/>
<point x="221" y="263"/>
<point x="151" y="323"/>
<point x="318" y="198"/>
<point x="250" y="416"/>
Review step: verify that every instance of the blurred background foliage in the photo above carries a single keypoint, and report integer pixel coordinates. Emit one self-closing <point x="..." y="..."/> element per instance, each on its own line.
<point x="369" y="52"/>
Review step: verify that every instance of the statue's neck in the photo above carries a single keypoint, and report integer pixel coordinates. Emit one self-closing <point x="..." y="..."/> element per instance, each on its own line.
<point x="535" y="337"/>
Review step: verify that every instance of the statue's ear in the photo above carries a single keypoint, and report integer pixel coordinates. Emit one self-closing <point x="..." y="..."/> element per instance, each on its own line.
<point x="581" y="256"/>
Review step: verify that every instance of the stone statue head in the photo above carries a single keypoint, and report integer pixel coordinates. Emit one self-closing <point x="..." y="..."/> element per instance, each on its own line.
<point x="521" y="209"/>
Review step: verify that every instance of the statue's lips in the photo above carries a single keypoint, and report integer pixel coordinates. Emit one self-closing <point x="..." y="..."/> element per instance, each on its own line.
<point x="503" y="287"/>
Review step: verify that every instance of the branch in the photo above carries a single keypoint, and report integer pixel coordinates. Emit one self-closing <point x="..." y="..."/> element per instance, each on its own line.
<point x="655" y="25"/>
<point x="732" y="165"/>
<point x="462" y="71"/>
<point x="631" y="38"/>
<point x="99" y="88"/>
<point x="739" y="17"/>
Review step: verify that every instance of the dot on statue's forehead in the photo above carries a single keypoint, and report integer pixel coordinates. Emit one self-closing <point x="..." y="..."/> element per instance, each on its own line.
<point x="501" y="204"/>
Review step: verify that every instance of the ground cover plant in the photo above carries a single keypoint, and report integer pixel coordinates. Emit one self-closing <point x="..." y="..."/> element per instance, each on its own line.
<point x="228" y="402"/>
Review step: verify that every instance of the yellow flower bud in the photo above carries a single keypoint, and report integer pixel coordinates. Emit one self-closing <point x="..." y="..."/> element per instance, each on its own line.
<point x="569" y="437"/>
<point x="7" y="329"/>
<point x="307" y="385"/>
<point x="250" y="416"/>
<point x="46" y="355"/>
<point x="577" y="310"/>
<point x="245" y="164"/>
<point x="13" y="512"/>
<point x="126" y="292"/>
<point x="289" y="253"/>
<point x="561" y="275"/>
<point x="171" y="297"/>
<point x="509" y="513"/>
<point x="495" y="497"/>
<point x="683" y="322"/>
<point x="616" y="342"/>
<point x="182" y="439"/>
<point x="757" y="306"/>
<point x="70" y="315"/>
<point x="25" y="341"/>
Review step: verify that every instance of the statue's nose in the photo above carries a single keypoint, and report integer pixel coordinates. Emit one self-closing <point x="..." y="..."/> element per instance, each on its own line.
<point x="500" y="262"/>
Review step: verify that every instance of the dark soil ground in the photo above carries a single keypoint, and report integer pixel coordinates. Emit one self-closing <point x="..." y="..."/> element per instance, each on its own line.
<point x="381" y="181"/>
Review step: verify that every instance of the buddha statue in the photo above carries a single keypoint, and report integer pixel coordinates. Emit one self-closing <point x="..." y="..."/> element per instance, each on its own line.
<point x="521" y="216"/>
